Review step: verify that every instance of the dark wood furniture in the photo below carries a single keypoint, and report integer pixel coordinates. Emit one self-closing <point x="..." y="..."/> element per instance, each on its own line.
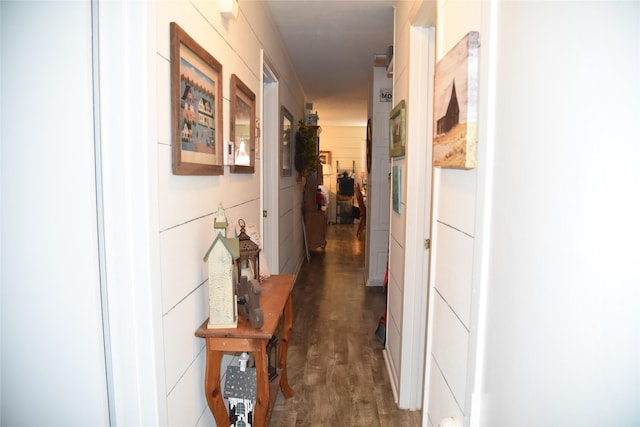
<point x="315" y="219"/>
<point x="275" y="301"/>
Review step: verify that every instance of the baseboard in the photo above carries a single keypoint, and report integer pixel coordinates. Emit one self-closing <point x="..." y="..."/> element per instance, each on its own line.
<point x="390" y="372"/>
<point x="375" y="282"/>
<point x="298" y="268"/>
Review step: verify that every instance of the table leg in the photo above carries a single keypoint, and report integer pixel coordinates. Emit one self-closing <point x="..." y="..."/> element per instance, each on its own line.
<point x="262" y="380"/>
<point x="284" y="345"/>
<point x="212" y="388"/>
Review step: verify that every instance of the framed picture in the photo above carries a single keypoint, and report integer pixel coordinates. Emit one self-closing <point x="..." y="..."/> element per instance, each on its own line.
<point x="286" y="134"/>
<point x="325" y="157"/>
<point x="396" y="189"/>
<point x="456" y="105"/>
<point x="196" y="107"/>
<point x="397" y="130"/>
<point x="242" y="131"/>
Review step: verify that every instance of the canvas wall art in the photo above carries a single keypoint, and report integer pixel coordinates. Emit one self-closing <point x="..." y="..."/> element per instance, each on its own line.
<point x="456" y="105"/>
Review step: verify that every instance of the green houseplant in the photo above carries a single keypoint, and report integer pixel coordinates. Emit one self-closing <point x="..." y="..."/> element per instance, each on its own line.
<point x="306" y="159"/>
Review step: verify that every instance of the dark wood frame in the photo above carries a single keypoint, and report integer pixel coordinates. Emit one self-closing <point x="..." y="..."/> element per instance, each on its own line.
<point x="241" y="92"/>
<point x="286" y="147"/>
<point x="195" y="162"/>
<point x="369" y="146"/>
<point x="325" y="157"/>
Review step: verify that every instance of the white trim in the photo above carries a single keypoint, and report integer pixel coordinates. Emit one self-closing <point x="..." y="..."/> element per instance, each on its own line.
<point x="270" y="132"/>
<point x="373" y="282"/>
<point x="433" y="231"/>
<point x="484" y="195"/>
<point x="419" y="177"/>
<point x="388" y="361"/>
<point x="130" y="199"/>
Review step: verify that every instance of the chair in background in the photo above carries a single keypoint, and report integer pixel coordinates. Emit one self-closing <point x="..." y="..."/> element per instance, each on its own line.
<point x="344" y="205"/>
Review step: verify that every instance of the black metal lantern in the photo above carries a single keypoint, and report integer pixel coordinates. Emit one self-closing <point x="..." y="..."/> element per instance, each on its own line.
<point x="249" y="262"/>
<point x="248" y="287"/>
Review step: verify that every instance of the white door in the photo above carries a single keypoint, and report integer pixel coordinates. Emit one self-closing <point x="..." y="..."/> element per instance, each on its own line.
<point x="408" y="295"/>
<point x="270" y="166"/>
<point x="53" y="360"/>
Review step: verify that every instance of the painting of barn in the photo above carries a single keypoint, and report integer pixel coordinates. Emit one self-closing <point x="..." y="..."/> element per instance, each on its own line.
<point x="456" y="105"/>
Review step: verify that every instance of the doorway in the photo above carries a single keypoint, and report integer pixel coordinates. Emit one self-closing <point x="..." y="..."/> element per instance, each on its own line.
<point x="270" y="166"/>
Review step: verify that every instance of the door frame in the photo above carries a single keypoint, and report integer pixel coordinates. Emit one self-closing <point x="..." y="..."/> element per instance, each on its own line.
<point x="270" y="180"/>
<point x="418" y="218"/>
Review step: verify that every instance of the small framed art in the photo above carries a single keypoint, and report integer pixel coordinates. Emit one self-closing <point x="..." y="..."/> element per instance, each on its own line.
<point x="325" y="157"/>
<point x="286" y="132"/>
<point x="196" y="107"/>
<point x="397" y="130"/>
<point x="242" y="131"/>
<point x="396" y="189"/>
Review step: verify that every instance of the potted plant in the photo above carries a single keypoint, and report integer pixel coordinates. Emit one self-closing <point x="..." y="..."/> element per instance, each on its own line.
<point x="306" y="159"/>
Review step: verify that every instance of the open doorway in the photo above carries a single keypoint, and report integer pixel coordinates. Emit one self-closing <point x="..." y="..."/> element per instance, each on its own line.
<point x="270" y="165"/>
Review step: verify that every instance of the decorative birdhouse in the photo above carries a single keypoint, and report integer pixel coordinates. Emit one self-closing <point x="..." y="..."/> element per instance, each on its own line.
<point x="240" y="389"/>
<point x="249" y="262"/>
<point x="223" y="309"/>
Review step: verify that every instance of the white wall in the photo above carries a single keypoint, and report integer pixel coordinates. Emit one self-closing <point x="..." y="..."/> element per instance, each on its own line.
<point x="535" y="318"/>
<point x="454" y="215"/>
<point x="377" y="238"/>
<point x="395" y="287"/>
<point x="562" y="341"/>
<point x="409" y="228"/>
<point x="157" y="225"/>
<point x="53" y="364"/>
<point x="187" y="203"/>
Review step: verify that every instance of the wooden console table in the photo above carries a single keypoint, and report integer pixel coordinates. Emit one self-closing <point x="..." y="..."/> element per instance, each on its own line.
<point x="275" y="301"/>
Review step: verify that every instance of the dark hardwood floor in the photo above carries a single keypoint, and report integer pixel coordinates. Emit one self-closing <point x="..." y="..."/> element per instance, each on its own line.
<point x="335" y="363"/>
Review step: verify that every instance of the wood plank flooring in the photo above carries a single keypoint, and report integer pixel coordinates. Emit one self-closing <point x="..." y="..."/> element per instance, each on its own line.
<point x="335" y="363"/>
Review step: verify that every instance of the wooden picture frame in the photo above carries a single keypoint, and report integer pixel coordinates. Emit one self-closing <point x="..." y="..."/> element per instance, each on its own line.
<point x="242" y="131"/>
<point x="286" y="142"/>
<point x="325" y="157"/>
<point x="196" y="107"/>
<point x="397" y="130"/>
<point x="369" y="146"/>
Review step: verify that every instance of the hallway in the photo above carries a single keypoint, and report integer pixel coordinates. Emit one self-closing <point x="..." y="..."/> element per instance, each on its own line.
<point x="335" y="363"/>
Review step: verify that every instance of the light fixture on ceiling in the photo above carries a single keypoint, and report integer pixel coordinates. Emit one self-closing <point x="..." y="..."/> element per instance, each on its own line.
<point x="229" y="9"/>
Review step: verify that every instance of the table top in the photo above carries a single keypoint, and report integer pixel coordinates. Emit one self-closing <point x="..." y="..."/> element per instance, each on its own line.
<point x="275" y="291"/>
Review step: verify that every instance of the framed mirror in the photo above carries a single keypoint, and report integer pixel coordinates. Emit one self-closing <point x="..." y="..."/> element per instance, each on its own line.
<point x="196" y="107"/>
<point x="286" y="141"/>
<point x="242" y="131"/>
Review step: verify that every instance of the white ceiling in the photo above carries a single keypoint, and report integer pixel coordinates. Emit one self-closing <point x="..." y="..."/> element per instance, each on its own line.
<point x="332" y="44"/>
